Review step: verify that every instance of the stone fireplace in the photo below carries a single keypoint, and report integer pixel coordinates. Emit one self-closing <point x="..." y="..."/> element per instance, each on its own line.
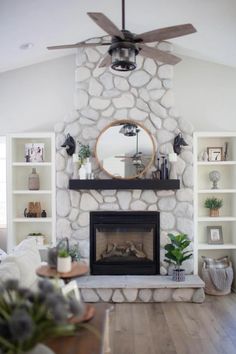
<point x="102" y="96"/>
<point x="124" y="243"/>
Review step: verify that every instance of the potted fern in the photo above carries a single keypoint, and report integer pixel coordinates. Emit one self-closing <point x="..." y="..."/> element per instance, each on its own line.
<point x="176" y="254"/>
<point x="214" y="204"/>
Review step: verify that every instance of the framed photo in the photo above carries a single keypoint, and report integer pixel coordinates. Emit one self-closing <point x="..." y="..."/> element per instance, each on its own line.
<point x="215" y="153"/>
<point x="214" y="235"/>
<point x="34" y="152"/>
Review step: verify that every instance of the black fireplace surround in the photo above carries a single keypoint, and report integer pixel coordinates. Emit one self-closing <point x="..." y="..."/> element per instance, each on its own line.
<point x="124" y="243"/>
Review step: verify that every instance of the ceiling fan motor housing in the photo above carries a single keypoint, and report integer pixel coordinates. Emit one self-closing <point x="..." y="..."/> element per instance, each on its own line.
<point x="123" y="52"/>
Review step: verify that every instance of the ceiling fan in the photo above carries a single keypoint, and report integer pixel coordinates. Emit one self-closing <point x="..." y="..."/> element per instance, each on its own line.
<point x="131" y="130"/>
<point x="124" y="45"/>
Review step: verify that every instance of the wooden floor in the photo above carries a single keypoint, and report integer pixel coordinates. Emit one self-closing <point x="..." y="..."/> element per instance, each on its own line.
<point x="175" y="328"/>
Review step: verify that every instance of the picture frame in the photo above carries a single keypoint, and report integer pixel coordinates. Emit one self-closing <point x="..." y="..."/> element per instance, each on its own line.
<point x="215" y="153"/>
<point x="34" y="152"/>
<point x="214" y="235"/>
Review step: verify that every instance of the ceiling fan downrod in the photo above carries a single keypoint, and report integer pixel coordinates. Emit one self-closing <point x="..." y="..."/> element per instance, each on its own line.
<point x="123" y="13"/>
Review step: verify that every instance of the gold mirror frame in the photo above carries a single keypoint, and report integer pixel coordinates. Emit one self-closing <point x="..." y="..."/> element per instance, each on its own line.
<point x="120" y="122"/>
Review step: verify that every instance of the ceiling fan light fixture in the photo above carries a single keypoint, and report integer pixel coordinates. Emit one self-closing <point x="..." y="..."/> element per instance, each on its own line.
<point x="129" y="129"/>
<point x="123" y="56"/>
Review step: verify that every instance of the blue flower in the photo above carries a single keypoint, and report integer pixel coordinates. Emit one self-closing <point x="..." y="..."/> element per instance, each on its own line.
<point x="21" y="325"/>
<point x="11" y="284"/>
<point x="46" y="286"/>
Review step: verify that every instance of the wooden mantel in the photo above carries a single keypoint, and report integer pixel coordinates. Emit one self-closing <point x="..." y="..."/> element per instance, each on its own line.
<point x="155" y="184"/>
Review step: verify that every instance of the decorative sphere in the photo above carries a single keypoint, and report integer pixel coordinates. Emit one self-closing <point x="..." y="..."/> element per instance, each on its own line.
<point x="214" y="177"/>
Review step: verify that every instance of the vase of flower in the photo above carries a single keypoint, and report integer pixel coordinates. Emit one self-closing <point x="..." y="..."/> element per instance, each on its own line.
<point x="24" y="313"/>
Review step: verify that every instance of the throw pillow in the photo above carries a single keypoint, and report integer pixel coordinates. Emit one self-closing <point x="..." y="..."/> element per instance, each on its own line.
<point x="27" y="259"/>
<point x="3" y="254"/>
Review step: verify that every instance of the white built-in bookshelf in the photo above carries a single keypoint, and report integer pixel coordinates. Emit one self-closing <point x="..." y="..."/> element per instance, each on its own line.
<point x="18" y="194"/>
<point x="226" y="191"/>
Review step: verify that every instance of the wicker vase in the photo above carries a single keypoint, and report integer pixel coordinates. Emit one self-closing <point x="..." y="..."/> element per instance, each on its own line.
<point x="214" y="212"/>
<point x="178" y="275"/>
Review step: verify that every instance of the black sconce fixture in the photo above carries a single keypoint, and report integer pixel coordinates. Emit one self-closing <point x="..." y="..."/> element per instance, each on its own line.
<point x="69" y="144"/>
<point x="178" y="142"/>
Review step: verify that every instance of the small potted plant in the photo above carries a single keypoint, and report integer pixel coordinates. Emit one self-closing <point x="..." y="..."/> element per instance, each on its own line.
<point x="84" y="152"/>
<point x="176" y="254"/>
<point x="63" y="261"/>
<point x="85" y="164"/>
<point x="214" y="204"/>
<point x="74" y="253"/>
<point x="38" y="237"/>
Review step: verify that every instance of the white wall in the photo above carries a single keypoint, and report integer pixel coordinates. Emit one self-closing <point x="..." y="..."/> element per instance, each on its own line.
<point x="205" y="94"/>
<point x="34" y="98"/>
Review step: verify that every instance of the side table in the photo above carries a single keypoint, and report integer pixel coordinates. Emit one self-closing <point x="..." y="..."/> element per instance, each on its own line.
<point x="86" y="342"/>
<point x="78" y="269"/>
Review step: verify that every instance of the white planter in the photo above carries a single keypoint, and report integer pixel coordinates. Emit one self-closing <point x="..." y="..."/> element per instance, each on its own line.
<point x="64" y="264"/>
<point x="38" y="239"/>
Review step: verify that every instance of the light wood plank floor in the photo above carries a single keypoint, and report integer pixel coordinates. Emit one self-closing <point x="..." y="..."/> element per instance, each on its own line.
<point x="175" y="328"/>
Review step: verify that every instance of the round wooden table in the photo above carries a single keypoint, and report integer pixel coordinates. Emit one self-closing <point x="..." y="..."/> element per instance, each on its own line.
<point x="78" y="269"/>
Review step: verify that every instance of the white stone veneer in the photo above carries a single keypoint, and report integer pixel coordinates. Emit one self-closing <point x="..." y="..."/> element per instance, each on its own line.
<point x="102" y="96"/>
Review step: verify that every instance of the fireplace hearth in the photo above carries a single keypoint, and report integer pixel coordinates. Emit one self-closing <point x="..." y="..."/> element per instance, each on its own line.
<point x="124" y="243"/>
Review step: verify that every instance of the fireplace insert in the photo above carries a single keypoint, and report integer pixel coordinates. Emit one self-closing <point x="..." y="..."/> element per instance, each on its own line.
<point x="124" y="242"/>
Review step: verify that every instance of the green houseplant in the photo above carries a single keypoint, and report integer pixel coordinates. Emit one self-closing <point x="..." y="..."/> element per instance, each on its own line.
<point x="63" y="261"/>
<point x="176" y="254"/>
<point x="214" y="204"/>
<point x="84" y="152"/>
<point x="74" y="253"/>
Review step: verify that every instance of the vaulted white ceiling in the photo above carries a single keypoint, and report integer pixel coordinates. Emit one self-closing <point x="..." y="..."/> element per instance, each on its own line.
<point x="51" y="22"/>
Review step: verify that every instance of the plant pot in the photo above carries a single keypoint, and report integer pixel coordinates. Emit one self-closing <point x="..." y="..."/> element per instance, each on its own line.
<point x="214" y="212"/>
<point x="40" y="349"/>
<point x="64" y="264"/>
<point x="178" y="275"/>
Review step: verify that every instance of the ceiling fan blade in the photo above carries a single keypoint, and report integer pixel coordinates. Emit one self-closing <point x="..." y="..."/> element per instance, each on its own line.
<point x="107" y="25"/>
<point x="158" y="54"/>
<point x="79" y="44"/>
<point x="106" y="61"/>
<point x="123" y="157"/>
<point x="166" y="33"/>
<point x="67" y="46"/>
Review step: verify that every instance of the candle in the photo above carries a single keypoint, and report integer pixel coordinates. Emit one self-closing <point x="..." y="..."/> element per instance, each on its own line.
<point x="75" y="158"/>
<point x="172" y="157"/>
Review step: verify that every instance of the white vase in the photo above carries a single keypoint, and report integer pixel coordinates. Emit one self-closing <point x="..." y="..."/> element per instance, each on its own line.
<point x="173" y="171"/>
<point x="88" y="167"/>
<point x="64" y="264"/>
<point x="82" y="172"/>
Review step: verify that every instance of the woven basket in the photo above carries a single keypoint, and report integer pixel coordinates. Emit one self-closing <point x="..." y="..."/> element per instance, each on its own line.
<point x="210" y="288"/>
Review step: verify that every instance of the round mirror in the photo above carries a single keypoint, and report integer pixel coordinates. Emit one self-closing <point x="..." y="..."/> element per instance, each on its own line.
<point x="125" y="149"/>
